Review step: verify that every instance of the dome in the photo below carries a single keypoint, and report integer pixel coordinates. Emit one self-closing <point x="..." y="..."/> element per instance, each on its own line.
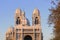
<point x="18" y="10"/>
<point x="35" y="11"/>
<point x="24" y="21"/>
<point x="10" y="29"/>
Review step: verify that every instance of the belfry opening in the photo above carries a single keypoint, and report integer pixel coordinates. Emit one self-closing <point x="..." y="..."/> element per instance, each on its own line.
<point x="18" y="20"/>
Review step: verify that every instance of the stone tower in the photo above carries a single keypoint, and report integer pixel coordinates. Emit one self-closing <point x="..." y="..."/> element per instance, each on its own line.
<point x="22" y="29"/>
<point x="36" y="17"/>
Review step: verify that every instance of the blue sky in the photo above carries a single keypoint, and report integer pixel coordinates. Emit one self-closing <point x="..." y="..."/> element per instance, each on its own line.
<point x="7" y="11"/>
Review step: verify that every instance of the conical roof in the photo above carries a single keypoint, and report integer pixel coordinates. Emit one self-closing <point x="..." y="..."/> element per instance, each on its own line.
<point x="36" y="11"/>
<point x="18" y="10"/>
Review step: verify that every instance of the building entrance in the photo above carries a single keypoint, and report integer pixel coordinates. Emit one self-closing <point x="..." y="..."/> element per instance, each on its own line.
<point x="27" y="37"/>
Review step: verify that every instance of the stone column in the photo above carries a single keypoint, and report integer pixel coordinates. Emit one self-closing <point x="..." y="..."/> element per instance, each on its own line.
<point x="22" y="34"/>
<point x="34" y="33"/>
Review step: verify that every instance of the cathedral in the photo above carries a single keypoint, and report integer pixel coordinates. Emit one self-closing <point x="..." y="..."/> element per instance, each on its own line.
<point x="22" y="29"/>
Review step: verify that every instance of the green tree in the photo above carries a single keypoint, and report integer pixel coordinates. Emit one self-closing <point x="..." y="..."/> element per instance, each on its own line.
<point x="54" y="19"/>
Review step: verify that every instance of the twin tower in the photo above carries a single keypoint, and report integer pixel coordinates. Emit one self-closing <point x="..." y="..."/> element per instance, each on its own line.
<point x="21" y="19"/>
<point x="22" y="29"/>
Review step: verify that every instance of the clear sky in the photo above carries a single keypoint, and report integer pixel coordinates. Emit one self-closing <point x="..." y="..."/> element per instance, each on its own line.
<point x="7" y="11"/>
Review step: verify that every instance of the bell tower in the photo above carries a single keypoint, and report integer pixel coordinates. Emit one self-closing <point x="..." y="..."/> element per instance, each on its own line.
<point x="18" y="17"/>
<point x="36" y="17"/>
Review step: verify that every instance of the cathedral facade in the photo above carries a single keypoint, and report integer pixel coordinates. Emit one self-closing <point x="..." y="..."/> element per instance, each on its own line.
<point x="22" y="29"/>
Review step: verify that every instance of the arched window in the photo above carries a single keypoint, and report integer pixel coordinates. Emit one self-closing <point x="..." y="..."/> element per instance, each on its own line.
<point x="36" y="20"/>
<point x="18" y="20"/>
